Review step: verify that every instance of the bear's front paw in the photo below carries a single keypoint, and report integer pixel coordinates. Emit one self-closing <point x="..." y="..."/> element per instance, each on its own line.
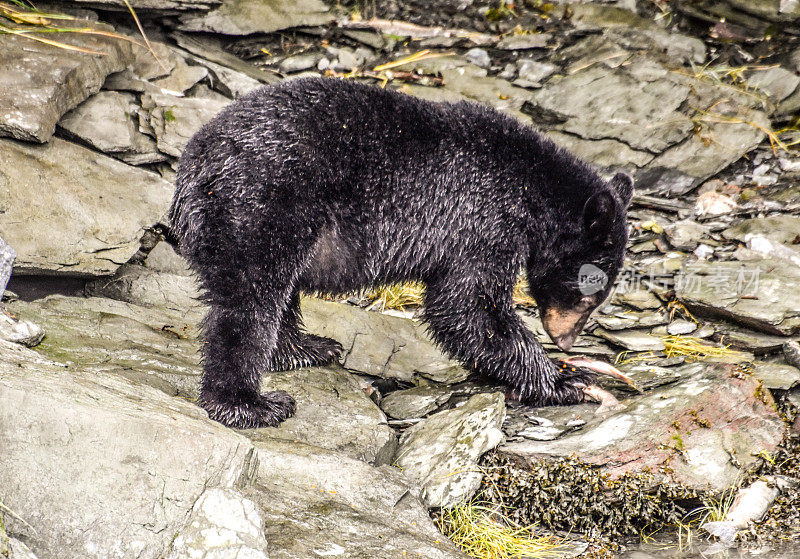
<point x="260" y="410"/>
<point x="560" y="384"/>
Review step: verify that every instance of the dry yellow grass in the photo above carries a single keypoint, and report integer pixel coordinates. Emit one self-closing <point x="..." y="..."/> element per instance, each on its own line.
<point x="482" y="531"/>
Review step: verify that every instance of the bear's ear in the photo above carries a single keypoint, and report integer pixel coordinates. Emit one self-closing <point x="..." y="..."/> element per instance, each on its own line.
<point x="622" y="184"/>
<point x="599" y="214"/>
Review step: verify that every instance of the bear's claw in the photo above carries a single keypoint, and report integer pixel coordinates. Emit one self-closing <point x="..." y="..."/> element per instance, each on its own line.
<point x="265" y="410"/>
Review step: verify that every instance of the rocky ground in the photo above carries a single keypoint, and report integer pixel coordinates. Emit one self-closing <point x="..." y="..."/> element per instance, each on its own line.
<point x="104" y="453"/>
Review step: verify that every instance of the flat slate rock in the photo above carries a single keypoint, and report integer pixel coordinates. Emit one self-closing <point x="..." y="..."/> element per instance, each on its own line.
<point x="107" y="121"/>
<point x="243" y="17"/>
<point x="72" y="211"/>
<point x="333" y="412"/>
<point x="684" y="432"/>
<point x="380" y="345"/>
<point x="41" y="82"/>
<point x="756" y="294"/>
<point x="168" y="6"/>
<point x="140" y="473"/>
<point x="174" y="120"/>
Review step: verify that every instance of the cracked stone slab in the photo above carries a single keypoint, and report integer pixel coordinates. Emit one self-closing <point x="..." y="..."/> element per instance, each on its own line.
<point x="174" y="120"/>
<point x="441" y="453"/>
<point x="88" y="212"/>
<point x="108" y="122"/>
<point x="685" y="432"/>
<point x="415" y="402"/>
<point x="244" y="17"/>
<point x="465" y="81"/>
<point x="223" y="524"/>
<point x="603" y="153"/>
<point x="722" y="141"/>
<point x="167" y="6"/>
<point x="42" y="82"/>
<point x="595" y="104"/>
<point x="756" y="294"/>
<point x="782" y="228"/>
<point x="378" y="344"/>
<point x="150" y="346"/>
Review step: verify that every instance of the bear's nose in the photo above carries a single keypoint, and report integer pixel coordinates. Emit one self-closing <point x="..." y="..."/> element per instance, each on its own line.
<point x="565" y="342"/>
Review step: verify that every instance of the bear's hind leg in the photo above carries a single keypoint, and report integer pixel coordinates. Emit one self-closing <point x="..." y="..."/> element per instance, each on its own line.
<point x="296" y="348"/>
<point x="475" y="322"/>
<point x="234" y="358"/>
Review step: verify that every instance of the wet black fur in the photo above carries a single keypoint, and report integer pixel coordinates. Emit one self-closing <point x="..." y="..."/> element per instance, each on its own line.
<point x="331" y="185"/>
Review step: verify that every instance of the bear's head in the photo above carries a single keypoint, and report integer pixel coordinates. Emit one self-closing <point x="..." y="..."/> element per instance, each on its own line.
<point x="575" y="271"/>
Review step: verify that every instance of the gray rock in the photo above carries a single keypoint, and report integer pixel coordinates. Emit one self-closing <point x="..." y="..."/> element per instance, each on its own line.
<point x="227" y="81"/>
<point x="524" y="42"/>
<point x="318" y="503"/>
<point x="466" y="81"/>
<point x="441" y="453"/>
<point x="677" y="47"/>
<point x="686" y="234"/>
<point x="150" y="346"/>
<point x="700" y="158"/>
<point x="684" y="425"/>
<point x="163" y="258"/>
<point x="594" y="105"/>
<point x="754" y="342"/>
<point x="223" y="524"/>
<point x="631" y="340"/>
<point x="782" y="228"/>
<point x="508" y="72"/>
<point x="108" y="122"/>
<point x="777" y="376"/>
<point x="640" y="299"/>
<point x="333" y="412"/>
<point x="346" y="59"/>
<point x="533" y="70"/>
<point x="18" y="331"/>
<point x="681" y="327"/>
<point x="16" y="549"/>
<point x="136" y="284"/>
<point x="182" y="77"/>
<point x="603" y="153"/>
<point x="149" y="67"/>
<point x="243" y="17"/>
<point x="209" y="50"/>
<point x="777" y="83"/>
<point x="756" y="294"/>
<point x="378" y="344"/>
<point x="174" y="120"/>
<point x="414" y="402"/>
<point x="478" y="57"/>
<point x="89" y="211"/>
<point x="369" y="38"/>
<point x="168" y="6"/>
<point x="41" y="82"/>
<point x="299" y="63"/>
<point x="631" y="319"/>
<point x="7" y="257"/>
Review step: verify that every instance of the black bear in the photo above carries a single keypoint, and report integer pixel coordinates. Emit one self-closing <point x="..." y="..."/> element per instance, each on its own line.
<point x="331" y="185"/>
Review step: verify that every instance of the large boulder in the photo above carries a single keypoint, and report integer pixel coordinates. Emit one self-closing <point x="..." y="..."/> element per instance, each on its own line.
<point x="68" y="210"/>
<point x="98" y="465"/>
<point x="703" y="430"/>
